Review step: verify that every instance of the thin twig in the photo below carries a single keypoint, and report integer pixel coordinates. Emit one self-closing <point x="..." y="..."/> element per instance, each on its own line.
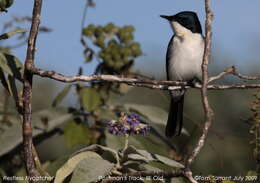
<point x="232" y="70"/>
<point x="27" y="93"/>
<point x="83" y="23"/>
<point x="209" y="114"/>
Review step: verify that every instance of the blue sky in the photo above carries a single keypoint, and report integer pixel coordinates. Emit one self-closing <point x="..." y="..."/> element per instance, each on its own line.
<point x="236" y="29"/>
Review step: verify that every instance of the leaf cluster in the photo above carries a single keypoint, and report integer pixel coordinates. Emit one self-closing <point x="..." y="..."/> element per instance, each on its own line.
<point x="4" y="4"/>
<point x="117" y="48"/>
<point x="96" y="162"/>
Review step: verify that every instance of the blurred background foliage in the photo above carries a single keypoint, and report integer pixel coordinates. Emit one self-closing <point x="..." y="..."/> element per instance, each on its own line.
<point x="68" y="117"/>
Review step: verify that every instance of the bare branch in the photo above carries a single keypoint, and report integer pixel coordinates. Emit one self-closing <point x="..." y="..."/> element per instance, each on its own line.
<point x="234" y="86"/>
<point x="232" y="70"/>
<point x="27" y="93"/>
<point x="209" y="114"/>
<point x="141" y="82"/>
<point x="109" y="78"/>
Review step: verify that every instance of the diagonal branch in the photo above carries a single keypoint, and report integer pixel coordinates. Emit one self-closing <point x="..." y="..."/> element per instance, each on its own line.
<point x="27" y="93"/>
<point x="209" y="114"/>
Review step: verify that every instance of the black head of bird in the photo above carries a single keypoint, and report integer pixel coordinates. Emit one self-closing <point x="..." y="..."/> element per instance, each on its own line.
<point x="187" y="19"/>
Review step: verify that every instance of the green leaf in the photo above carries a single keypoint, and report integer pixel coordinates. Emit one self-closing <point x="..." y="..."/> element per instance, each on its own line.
<point x="11" y="136"/>
<point x="105" y="114"/>
<point x="137" y="157"/>
<point x="13" y="90"/>
<point x="91" y="170"/>
<point x="105" y="152"/>
<point x="90" y="98"/>
<point x="55" y="165"/>
<point x="161" y="159"/>
<point x="4" y="81"/>
<point x="11" y="65"/>
<point x="114" y="141"/>
<point x="132" y="166"/>
<point x="150" y="157"/>
<point x="71" y="164"/>
<point x="63" y="93"/>
<point x="5" y="4"/>
<point x="9" y="85"/>
<point x="75" y="134"/>
<point x="161" y="166"/>
<point x="12" y="33"/>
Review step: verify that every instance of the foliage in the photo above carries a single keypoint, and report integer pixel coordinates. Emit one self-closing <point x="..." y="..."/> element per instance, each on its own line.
<point x="117" y="47"/>
<point x="11" y="69"/>
<point x="4" y="4"/>
<point x="75" y="134"/>
<point x="97" y="162"/>
<point x="90" y="98"/>
<point x="44" y="121"/>
<point x="58" y="99"/>
<point x="11" y="33"/>
<point x="116" y="51"/>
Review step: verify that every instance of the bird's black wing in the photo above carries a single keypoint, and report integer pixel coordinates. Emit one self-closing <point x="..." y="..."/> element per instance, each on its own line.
<point x="168" y="56"/>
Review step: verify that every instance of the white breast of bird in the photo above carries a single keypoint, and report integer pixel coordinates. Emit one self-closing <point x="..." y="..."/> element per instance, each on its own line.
<point x="186" y="58"/>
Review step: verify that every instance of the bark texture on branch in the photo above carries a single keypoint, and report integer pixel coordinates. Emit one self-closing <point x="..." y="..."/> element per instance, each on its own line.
<point x="27" y="93"/>
<point x="209" y="114"/>
<point x="148" y="83"/>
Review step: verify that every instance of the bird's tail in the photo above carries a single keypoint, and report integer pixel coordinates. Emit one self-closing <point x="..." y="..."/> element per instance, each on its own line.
<point x="175" y="118"/>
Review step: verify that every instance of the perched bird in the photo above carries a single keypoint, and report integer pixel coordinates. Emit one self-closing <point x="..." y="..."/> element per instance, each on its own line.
<point x="183" y="62"/>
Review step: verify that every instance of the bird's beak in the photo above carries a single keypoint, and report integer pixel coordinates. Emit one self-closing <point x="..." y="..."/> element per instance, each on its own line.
<point x="167" y="17"/>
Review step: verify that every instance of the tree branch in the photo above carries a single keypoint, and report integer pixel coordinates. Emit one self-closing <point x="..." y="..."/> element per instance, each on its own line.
<point x="232" y="70"/>
<point x="209" y="114"/>
<point x="144" y="82"/>
<point x="27" y="93"/>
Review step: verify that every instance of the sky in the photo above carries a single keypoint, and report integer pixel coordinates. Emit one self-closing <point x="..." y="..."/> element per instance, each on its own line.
<point x="236" y="29"/>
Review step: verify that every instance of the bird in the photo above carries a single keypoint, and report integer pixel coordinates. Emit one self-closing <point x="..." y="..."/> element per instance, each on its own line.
<point x="183" y="63"/>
